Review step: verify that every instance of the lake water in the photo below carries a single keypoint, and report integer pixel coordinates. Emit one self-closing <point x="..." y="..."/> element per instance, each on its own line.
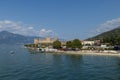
<point x="24" y="65"/>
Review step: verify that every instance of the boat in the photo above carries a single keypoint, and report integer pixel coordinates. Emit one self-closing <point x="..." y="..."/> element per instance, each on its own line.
<point x="12" y="52"/>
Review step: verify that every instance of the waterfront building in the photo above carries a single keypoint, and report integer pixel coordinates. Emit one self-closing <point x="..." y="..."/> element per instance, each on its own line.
<point x="88" y="42"/>
<point x="91" y="43"/>
<point x="47" y="40"/>
<point x="63" y="43"/>
<point x="97" y="42"/>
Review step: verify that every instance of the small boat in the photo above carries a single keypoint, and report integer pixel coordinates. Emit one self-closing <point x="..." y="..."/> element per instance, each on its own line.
<point x="12" y="52"/>
<point x="41" y="50"/>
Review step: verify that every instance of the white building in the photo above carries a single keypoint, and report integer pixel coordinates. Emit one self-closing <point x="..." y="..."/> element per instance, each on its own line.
<point x="88" y="42"/>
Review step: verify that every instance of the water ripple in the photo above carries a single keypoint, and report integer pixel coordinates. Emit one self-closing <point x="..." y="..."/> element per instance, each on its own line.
<point x="26" y="66"/>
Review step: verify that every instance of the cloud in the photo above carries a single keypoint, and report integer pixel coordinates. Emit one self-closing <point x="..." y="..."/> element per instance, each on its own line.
<point x="44" y="32"/>
<point x="16" y="27"/>
<point x="20" y="28"/>
<point x="106" y="26"/>
<point x="30" y="27"/>
<point x="109" y="25"/>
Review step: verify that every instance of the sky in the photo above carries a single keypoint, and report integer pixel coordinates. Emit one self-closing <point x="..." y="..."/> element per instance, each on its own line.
<point x="65" y="19"/>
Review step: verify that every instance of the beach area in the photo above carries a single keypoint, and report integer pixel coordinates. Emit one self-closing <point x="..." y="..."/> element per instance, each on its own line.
<point x="91" y="52"/>
<point x="79" y="52"/>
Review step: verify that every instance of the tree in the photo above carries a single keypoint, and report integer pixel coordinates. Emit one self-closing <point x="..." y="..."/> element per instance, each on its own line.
<point x="57" y="44"/>
<point x="118" y="40"/>
<point x="76" y="43"/>
<point x="69" y="44"/>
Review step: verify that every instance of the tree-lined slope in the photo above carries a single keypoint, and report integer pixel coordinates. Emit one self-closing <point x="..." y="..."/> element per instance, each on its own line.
<point x="112" y="36"/>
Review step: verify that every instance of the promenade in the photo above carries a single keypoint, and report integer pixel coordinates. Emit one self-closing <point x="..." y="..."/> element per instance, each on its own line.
<point x="92" y="52"/>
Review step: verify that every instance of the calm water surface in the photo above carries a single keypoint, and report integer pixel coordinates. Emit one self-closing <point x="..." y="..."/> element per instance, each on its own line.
<point x="23" y="65"/>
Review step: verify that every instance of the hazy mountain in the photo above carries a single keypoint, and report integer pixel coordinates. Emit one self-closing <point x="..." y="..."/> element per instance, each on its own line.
<point x="11" y="38"/>
<point x="109" y="34"/>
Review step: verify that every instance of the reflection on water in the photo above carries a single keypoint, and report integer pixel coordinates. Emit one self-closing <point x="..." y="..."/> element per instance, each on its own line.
<point x="22" y="65"/>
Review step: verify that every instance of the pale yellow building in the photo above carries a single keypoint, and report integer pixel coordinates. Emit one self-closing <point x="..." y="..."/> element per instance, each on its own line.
<point x="47" y="40"/>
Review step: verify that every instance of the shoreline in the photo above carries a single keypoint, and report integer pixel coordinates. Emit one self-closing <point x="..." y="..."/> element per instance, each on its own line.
<point x="106" y="52"/>
<point x="83" y="52"/>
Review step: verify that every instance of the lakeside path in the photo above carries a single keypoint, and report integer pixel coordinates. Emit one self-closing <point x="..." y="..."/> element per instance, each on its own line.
<point x="87" y="52"/>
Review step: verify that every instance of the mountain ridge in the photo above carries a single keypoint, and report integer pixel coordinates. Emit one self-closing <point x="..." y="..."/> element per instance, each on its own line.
<point x="112" y="36"/>
<point x="12" y="38"/>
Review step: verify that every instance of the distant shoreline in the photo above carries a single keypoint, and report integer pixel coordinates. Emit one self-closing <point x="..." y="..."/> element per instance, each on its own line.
<point x="81" y="52"/>
<point x="88" y="52"/>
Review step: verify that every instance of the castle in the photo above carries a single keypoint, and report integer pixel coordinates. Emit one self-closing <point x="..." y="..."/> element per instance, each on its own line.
<point x="47" y="40"/>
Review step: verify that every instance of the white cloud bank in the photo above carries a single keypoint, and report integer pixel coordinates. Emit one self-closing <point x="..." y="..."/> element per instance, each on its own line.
<point x="20" y="28"/>
<point x="44" y="32"/>
<point x="108" y="25"/>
